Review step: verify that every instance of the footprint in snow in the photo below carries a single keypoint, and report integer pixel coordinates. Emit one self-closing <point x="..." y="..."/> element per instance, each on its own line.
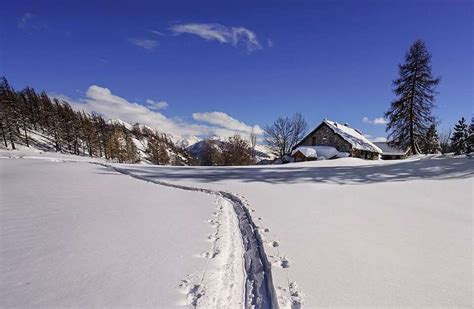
<point x="209" y="255"/>
<point x="284" y="263"/>
<point x="280" y="261"/>
<point x="194" y="294"/>
<point x="297" y="297"/>
<point x="184" y="284"/>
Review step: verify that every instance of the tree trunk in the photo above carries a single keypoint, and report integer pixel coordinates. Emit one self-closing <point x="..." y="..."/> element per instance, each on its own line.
<point x="26" y="137"/>
<point x="4" y="137"/>
<point x="11" y="140"/>
<point x="412" y="115"/>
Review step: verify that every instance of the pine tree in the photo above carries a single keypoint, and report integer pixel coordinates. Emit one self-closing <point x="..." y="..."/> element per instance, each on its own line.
<point x="471" y="136"/>
<point x="460" y="138"/>
<point x="431" y="142"/>
<point x="409" y="116"/>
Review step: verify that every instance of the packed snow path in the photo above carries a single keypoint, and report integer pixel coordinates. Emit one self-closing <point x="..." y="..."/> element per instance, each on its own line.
<point x="259" y="290"/>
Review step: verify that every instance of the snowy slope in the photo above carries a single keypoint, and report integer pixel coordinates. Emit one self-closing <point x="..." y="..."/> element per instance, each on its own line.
<point x="41" y="142"/>
<point x="74" y="234"/>
<point x="350" y="232"/>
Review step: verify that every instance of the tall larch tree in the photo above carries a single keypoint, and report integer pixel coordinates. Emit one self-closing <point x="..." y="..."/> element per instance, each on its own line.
<point x="410" y="114"/>
<point x="8" y="113"/>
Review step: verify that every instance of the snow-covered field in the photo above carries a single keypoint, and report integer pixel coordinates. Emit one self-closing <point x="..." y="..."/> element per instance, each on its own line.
<point x="349" y="232"/>
<point x="75" y="234"/>
<point x="344" y="232"/>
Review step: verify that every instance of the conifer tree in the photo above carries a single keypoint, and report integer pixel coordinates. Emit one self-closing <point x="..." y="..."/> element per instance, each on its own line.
<point x="24" y="116"/>
<point x="156" y="150"/>
<point x="431" y="142"/>
<point x="410" y="114"/>
<point x="77" y="131"/>
<point x="460" y="138"/>
<point x="8" y="113"/>
<point x="33" y="106"/>
<point x="471" y="136"/>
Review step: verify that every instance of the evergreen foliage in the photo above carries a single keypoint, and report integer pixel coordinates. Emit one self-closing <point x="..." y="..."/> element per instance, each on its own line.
<point x="410" y="114"/>
<point x="460" y="139"/>
<point x="431" y="143"/>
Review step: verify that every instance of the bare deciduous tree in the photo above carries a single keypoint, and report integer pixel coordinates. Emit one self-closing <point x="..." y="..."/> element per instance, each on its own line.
<point x="283" y="134"/>
<point x="253" y="142"/>
<point x="445" y="141"/>
<point x="237" y="151"/>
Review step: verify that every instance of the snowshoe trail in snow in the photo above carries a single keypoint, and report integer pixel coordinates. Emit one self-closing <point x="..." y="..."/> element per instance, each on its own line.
<point x="241" y="273"/>
<point x="221" y="281"/>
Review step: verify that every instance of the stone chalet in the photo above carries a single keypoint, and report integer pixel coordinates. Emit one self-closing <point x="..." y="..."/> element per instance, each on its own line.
<point x="343" y="138"/>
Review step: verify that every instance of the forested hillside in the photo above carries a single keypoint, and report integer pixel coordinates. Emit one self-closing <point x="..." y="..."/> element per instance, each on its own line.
<point x="33" y="119"/>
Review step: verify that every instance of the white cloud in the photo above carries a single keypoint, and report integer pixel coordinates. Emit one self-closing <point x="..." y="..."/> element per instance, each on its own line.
<point x="225" y="121"/>
<point x="157" y="32"/>
<point x="379" y="139"/>
<point x="102" y="101"/>
<point x="156" y="105"/>
<point x="234" y="36"/>
<point x="376" y="121"/>
<point x="269" y="43"/>
<point x="28" y="22"/>
<point x="144" y="43"/>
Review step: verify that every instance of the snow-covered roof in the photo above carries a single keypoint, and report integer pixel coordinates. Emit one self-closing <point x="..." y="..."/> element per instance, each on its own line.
<point x="352" y="136"/>
<point x="390" y="150"/>
<point x="307" y="151"/>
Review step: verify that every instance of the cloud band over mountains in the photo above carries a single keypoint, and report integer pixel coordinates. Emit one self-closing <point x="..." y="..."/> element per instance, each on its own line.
<point x="102" y="101"/>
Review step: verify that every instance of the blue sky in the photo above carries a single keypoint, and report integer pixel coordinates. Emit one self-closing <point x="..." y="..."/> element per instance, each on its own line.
<point x="251" y="61"/>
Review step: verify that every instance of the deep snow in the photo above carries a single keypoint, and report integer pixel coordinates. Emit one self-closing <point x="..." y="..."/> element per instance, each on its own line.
<point x="75" y="234"/>
<point x="350" y="232"/>
<point x="344" y="232"/>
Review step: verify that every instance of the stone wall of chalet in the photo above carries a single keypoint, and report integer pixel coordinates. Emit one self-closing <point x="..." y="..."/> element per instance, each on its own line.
<point x="325" y="136"/>
<point x="363" y="154"/>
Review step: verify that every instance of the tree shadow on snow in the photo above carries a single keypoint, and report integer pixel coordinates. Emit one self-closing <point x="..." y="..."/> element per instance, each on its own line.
<point x="428" y="168"/>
